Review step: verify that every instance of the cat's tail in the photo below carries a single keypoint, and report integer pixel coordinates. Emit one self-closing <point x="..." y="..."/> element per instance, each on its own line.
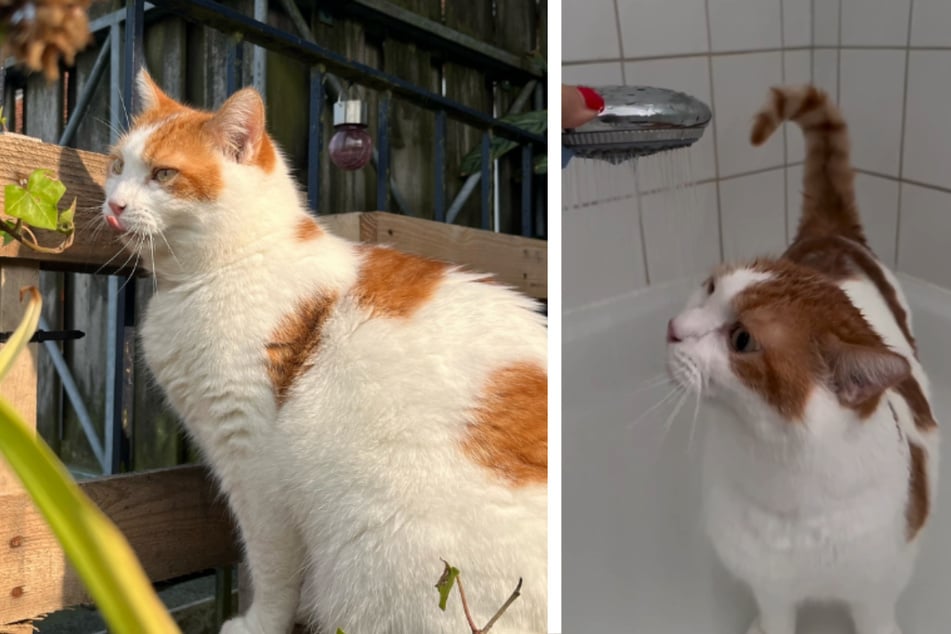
<point x="828" y="197"/>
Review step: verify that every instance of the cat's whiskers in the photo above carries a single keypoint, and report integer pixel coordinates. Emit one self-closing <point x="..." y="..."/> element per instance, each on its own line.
<point x="698" y="383"/>
<point x="685" y="394"/>
<point x="652" y="383"/>
<point x="161" y="234"/>
<point x="673" y="393"/>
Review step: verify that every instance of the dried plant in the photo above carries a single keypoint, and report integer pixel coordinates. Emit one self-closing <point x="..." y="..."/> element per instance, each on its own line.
<point x="41" y="33"/>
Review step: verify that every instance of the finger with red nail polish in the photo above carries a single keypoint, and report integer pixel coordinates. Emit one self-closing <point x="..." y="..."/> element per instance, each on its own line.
<point x="579" y="104"/>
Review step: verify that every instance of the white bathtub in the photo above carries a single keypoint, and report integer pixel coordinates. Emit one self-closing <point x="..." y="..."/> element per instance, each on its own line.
<point x="635" y="557"/>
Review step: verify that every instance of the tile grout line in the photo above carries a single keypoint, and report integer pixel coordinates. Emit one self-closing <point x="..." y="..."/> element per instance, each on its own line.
<point x="903" y="181"/>
<point x="620" y="40"/>
<point x="812" y="41"/>
<point x="901" y="138"/>
<point x="806" y="48"/>
<point x="838" y="60"/>
<point x="782" y="74"/>
<point x="716" y="147"/>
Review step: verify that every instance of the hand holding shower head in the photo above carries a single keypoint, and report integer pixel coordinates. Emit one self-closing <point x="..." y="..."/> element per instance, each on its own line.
<point x="638" y="121"/>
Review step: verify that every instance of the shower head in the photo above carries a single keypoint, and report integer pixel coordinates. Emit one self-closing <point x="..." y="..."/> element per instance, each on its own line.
<point x="638" y="121"/>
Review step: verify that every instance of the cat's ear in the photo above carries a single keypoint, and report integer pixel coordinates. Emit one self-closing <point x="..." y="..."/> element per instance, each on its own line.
<point x="859" y="373"/>
<point x="150" y="95"/>
<point x="238" y="126"/>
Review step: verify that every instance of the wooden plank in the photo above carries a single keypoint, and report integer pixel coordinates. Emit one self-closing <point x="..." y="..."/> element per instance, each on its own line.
<point x="19" y="385"/>
<point x="173" y="518"/>
<point x="84" y="174"/>
<point x="520" y="262"/>
<point x="344" y="225"/>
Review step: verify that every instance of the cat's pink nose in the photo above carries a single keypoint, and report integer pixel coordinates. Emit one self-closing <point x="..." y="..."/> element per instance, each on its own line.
<point x="671" y="334"/>
<point x="116" y="208"/>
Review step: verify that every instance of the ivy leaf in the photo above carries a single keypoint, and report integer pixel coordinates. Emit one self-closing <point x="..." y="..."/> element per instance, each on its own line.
<point x="65" y="224"/>
<point x="535" y="122"/>
<point x="7" y="238"/>
<point x="444" y="585"/>
<point x="541" y="164"/>
<point x="339" y="631"/>
<point x="36" y="204"/>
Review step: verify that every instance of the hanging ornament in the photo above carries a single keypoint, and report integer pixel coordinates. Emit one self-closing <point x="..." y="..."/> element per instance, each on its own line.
<point x="351" y="145"/>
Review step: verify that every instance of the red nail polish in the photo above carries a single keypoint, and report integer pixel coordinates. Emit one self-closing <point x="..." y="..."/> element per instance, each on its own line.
<point x="592" y="100"/>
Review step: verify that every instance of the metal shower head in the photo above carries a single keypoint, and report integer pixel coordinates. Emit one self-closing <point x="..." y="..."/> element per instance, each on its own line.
<point x="638" y="121"/>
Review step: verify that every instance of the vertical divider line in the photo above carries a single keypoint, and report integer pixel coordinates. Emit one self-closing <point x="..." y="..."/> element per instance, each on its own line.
<point x="486" y="185"/>
<point x="782" y="74"/>
<point x="620" y="40"/>
<point x="527" y="178"/>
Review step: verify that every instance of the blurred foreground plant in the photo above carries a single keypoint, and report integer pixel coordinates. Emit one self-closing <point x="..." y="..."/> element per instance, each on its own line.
<point x="97" y="550"/>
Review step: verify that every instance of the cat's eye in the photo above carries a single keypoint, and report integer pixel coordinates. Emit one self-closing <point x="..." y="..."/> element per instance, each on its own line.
<point x="711" y="286"/>
<point x="164" y="174"/>
<point x="741" y="340"/>
<point x="117" y="166"/>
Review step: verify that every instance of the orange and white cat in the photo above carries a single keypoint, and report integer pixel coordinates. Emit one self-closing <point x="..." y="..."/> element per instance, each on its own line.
<point x="366" y="412"/>
<point x="818" y="484"/>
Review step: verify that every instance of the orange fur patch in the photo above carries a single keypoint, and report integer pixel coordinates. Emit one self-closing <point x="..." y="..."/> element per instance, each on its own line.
<point x="396" y="284"/>
<point x="180" y="143"/>
<point x="791" y="317"/>
<point x="307" y="229"/>
<point x="509" y="431"/>
<point x="294" y="343"/>
<point x="919" y="502"/>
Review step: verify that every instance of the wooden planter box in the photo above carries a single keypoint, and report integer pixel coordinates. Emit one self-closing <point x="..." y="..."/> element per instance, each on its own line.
<point x="170" y="516"/>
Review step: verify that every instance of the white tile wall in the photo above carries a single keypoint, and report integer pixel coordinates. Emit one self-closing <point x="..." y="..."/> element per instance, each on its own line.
<point x="923" y="235"/>
<point x="797" y="69"/>
<point x="600" y="74"/>
<point x="740" y="87"/>
<point x="760" y="27"/>
<point x="797" y="23"/>
<point x="878" y="207"/>
<point x="655" y="28"/>
<point x="602" y="253"/>
<point x="728" y="53"/>
<point x="692" y="76"/>
<point x="927" y="131"/>
<point x="875" y="22"/>
<point x="753" y="215"/>
<point x="931" y="23"/>
<point x="684" y="230"/>
<point x="589" y="30"/>
<point x="825" y="70"/>
<point x="872" y="93"/>
<point x="825" y="23"/>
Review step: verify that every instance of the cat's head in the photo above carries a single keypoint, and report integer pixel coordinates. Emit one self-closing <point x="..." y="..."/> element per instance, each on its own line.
<point x="181" y="173"/>
<point x="779" y="345"/>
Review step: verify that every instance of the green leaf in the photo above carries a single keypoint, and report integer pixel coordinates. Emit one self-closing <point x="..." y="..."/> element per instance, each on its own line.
<point x="7" y="238"/>
<point x="65" y="224"/>
<point x="36" y="204"/>
<point x="339" y="631"/>
<point x="535" y="121"/>
<point x="541" y="164"/>
<point x="444" y="585"/>
<point x="97" y="550"/>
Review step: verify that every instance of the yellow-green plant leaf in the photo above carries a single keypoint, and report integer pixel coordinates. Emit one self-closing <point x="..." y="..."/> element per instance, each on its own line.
<point x="65" y="223"/>
<point x="21" y="336"/>
<point x="444" y="585"/>
<point x="36" y="203"/>
<point x="95" y="547"/>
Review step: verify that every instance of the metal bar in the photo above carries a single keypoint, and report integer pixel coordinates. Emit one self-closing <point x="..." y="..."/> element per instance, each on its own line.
<point x="233" y="79"/>
<point x="75" y="398"/>
<point x="403" y="24"/>
<point x="528" y="176"/>
<point x="224" y="605"/>
<point x="114" y="18"/>
<point x="85" y="95"/>
<point x="334" y="88"/>
<point x="226" y="19"/>
<point x="315" y="138"/>
<point x="469" y="186"/>
<point x="133" y="56"/>
<point x="383" y="164"/>
<point x="439" y="158"/>
<point x="486" y="184"/>
<point x="115" y="77"/>
<point x="258" y="54"/>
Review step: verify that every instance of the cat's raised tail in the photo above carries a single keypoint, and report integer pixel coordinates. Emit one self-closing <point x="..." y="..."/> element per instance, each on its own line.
<point x="829" y="207"/>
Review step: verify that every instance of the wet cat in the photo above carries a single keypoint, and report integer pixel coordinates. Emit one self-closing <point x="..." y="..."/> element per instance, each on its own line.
<point x="818" y="484"/>
<point x="366" y="412"/>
